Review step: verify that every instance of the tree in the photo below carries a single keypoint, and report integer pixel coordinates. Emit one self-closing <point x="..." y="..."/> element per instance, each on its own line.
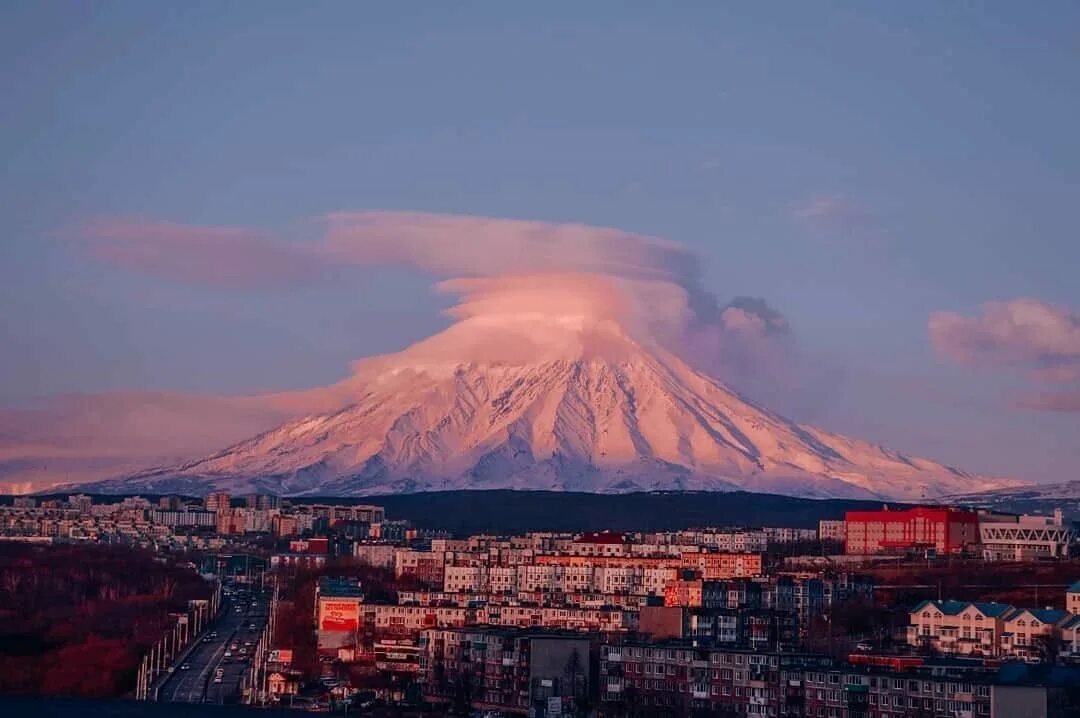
<point x="1047" y="646"/>
<point x="464" y="690"/>
<point x="577" y="680"/>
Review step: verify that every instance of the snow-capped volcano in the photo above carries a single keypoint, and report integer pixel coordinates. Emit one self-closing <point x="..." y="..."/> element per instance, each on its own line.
<point x="542" y="388"/>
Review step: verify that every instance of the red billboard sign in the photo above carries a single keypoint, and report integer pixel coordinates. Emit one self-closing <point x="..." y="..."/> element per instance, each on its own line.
<point x="336" y="614"/>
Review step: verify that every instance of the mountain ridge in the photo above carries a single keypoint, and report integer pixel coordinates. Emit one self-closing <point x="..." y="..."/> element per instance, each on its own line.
<point x="565" y="402"/>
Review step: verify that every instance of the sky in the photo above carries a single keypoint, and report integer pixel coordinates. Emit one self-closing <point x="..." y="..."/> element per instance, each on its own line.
<point x="897" y="182"/>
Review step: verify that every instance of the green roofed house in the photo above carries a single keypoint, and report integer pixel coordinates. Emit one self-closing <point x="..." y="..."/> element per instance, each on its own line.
<point x="958" y="627"/>
<point x="1030" y="631"/>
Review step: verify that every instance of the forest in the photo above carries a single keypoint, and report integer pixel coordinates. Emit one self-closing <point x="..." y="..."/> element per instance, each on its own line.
<point x="75" y="620"/>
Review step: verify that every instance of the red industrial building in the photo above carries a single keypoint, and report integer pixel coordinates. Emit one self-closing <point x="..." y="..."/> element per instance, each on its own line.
<point x="943" y="530"/>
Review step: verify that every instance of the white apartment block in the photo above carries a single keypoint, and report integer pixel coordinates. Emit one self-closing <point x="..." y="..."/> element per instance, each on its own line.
<point x="550" y="578"/>
<point x="832" y="529"/>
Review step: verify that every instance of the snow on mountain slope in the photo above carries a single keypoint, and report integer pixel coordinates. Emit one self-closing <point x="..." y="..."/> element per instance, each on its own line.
<point x="1034" y="499"/>
<point x="560" y="397"/>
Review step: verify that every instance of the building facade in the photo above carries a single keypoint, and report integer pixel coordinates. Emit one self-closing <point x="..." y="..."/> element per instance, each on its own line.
<point x="924" y="529"/>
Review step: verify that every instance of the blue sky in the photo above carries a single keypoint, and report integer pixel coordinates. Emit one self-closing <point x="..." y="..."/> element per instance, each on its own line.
<point x="859" y="166"/>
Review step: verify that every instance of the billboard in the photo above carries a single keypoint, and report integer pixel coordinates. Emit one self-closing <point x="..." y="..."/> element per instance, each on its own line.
<point x="339" y="614"/>
<point x="281" y="655"/>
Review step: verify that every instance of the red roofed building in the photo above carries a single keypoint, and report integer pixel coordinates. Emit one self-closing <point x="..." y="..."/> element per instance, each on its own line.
<point x="600" y="543"/>
<point x="942" y="529"/>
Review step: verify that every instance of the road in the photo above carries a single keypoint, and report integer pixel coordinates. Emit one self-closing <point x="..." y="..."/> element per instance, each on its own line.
<point x="242" y="620"/>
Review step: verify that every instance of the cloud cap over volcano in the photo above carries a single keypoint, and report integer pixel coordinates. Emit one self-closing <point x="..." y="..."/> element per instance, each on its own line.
<point x="535" y="288"/>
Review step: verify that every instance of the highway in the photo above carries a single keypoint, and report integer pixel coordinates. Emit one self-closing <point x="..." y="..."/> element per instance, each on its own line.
<point x="242" y="620"/>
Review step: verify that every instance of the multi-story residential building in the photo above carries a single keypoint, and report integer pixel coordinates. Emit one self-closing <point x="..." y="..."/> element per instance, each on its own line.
<point x="376" y="554"/>
<point x="939" y="529"/>
<point x="783" y="534"/>
<point x="426" y="566"/>
<point x="406" y="620"/>
<point x="724" y="565"/>
<point x="760" y="629"/>
<point x="677" y="678"/>
<point x="217" y="501"/>
<point x="692" y="591"/>
<point x="184" y="518"/>
<point x="1007" y="537"/>
<point x="526" y="672"/>
<point x="600" y="543"/>
<point x="832" y="529"/>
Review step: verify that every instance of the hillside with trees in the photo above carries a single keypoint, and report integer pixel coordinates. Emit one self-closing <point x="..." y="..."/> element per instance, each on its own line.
<point x="76" y="620"/>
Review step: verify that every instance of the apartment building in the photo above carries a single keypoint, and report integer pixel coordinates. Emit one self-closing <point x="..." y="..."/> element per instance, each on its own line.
<point x="676" y="678"/>
<point x="523" y="672"/>
<point x="832" y="529"/>
<point x="726" y="541"/>
<point x="785" y="534"/>
<point x="425" y="566"/>
<point x="759" y="629"/>
<point x="724" y="565"/>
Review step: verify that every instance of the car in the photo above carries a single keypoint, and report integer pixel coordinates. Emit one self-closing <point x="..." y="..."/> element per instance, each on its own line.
<point x="864" y="646"/>
<point x="217" y="679"/>
<point x="185" y="667"/>
<point x="228" y="654"/>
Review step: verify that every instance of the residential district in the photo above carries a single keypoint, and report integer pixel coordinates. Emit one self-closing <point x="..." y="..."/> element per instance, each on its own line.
<point x="350" y="609"/>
